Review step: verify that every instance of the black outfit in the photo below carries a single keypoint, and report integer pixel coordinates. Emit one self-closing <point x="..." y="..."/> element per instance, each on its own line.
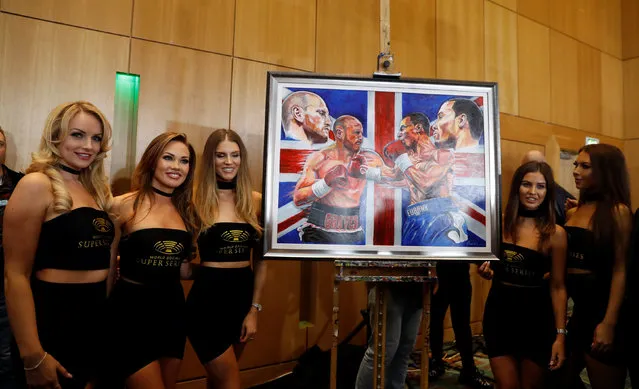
<point x="70" y="317"/>
<point x="632" y="299"/>
<point x="8" y="182"/>
<point x="220" y="298"/>
<point x="590" y="293"/>
<point x="147" y="318"/>
<point x="518" y="318"/>
<point x="334" y="225"/>
<point x="561" y="195"/>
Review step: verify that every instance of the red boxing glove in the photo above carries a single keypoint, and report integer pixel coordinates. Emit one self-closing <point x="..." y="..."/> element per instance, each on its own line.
<point x="336" y="176"/>
<point x="358" y="166"/>
<point x="392" y="151"/>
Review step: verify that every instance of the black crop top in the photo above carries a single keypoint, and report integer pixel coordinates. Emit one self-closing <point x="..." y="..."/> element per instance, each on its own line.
<point x="227" y="242"/>
<point x="582" y="249"/>
<point x="153" y="256"/>
<point x="77" y="240"/>
<point x="521" y="266"/>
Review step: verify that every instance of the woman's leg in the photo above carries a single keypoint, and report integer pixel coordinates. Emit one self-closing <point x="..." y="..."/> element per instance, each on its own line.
<point x="604" y="376"/>
<point x="223" y="372"/>
<point x="149" y="377"/>
<point x="533" y="375"/>
<point x="170" y="370"/>
<point x="506" y="371"/>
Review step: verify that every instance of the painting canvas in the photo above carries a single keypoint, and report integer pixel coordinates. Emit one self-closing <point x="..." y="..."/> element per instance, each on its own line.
<point x="380" y="169"/>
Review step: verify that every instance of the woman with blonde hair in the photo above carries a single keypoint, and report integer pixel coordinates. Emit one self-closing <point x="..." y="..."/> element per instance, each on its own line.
<point x="225" y="299"/>
<point x="157" y="222"/>
<point x="57" y="238"/>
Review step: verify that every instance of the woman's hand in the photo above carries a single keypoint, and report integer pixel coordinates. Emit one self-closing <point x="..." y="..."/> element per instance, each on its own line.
<point x="485" y="271"/>
<point x="249" y="326"/>
<point x="603" y="337"/>
<point x="46" y="374"/>
<point x="558" y="354"/>
<point x="570" y="203"/>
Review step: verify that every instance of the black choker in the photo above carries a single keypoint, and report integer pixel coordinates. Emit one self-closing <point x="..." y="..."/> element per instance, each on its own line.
<point x="525" y="212"/>
<point x="165" y="194"/>
<point x="226" y="184"/>
<point x="68" y="169"/>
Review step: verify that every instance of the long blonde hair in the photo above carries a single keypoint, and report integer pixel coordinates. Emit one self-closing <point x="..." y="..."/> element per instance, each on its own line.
<point x="182" y="195"/>
<point x="93" y="178"/>
<point x="206" y="190"/>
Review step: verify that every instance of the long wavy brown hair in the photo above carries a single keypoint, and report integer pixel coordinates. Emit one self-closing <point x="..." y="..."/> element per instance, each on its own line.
<point x="93" y="178"/>
<point x="206" y="190"/>
<point x="182" y="195"/>
<point x="545" y="221"/>
<point x="610" y="188"/>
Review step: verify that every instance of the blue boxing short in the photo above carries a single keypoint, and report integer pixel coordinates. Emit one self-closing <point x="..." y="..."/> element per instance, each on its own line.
<point x="434" y="222"/>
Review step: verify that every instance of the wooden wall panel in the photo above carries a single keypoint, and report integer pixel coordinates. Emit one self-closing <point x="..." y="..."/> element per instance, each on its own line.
<point x="181" y="90"/>
<point x="537" y="10"/>
<point x="590" y="89"/>
<point x="460" y="39"/>
<point x="248" y="103"/>
<point x="511" y="155"/>
<point x="413" y="37"/>
<point x="45" y="64"/>
<point x="347" y="36"/>
<point x="510" y="4"/>
<point x="611" y="96"/>
<point x="278" y="330"/>
<point x="204" y="25"/>
<point x="630" y="28"/>
<point x="631" y="151"/>
<point x="110" y="16"/>
<point x="501" y="54"/>
<point x="563" y="16"/>
<point x="609" y="18"/>
<point x="630" y="98"/>
<point x="532" y="131"/>
<point x="534" y="69"/>
<point x="564" y="80"/>
<point x="279" y="32"/>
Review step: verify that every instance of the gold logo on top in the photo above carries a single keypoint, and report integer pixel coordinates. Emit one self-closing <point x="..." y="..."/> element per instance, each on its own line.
<point x="236" y="236"/>
<point x="168" y="247"/>
<point x="102" y="225"/>
<point x="513" y="256"/>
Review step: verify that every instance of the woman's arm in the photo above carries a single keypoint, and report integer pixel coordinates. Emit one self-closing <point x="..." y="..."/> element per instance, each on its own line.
<point x="559" y="244"/>
<point x="116" y="211"/>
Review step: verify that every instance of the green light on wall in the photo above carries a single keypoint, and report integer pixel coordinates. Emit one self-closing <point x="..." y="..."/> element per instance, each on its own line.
<point x="125" y="128"/>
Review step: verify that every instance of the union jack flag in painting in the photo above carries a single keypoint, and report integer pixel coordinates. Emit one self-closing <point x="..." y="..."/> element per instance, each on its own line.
<point x="382" y="207"/>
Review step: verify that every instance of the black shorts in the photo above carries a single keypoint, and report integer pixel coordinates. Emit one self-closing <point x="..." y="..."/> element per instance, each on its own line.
<point x="146" y="323"/>
<point x="70" y="321"/>
<point x="519" y="322"/>
<point x="332" y="225"/>
<point x="217" y="304"/>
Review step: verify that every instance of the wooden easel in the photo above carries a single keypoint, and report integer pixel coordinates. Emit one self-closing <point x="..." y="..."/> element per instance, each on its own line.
<point x="382" y="272"/>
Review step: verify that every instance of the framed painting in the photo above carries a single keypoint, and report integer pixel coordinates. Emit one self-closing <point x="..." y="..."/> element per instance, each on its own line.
<point x="381" y="169"/>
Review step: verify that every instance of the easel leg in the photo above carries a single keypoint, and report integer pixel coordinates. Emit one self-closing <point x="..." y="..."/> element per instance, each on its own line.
<point x="428" y="288"/>
<point x="379" y="337"/>
<point x="333" y="383"/>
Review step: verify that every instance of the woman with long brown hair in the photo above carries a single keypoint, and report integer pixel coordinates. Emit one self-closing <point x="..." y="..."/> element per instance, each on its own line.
<point x="225" y="299"/>
<point x="57" y="237"/>
<point x="157" y="223"/>
<point x="524" y="319"/>
<point x="598" y="235"/>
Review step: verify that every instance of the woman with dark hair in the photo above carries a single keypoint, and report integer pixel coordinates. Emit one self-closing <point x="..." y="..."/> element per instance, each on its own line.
<point x="57" y="235"/>
<point x="157" y="223"/>
<point x="524" y="319"/>
<point x="598" y="235"/>
<point x="225" y="299"/>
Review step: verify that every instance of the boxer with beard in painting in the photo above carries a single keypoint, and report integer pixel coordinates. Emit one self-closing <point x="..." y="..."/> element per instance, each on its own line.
<point x="157" y="223"/>
<point x="333" y="182"/>
<point x="525" y="316"/>
<point x="57" y="238"/>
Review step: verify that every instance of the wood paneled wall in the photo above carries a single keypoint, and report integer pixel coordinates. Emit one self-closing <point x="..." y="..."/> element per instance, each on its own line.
<point x="566" y="69"/>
